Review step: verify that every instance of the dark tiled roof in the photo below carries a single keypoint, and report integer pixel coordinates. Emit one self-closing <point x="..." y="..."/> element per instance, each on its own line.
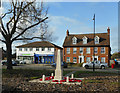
<point x="104" y="40"/>
<point x="39" y="44"/>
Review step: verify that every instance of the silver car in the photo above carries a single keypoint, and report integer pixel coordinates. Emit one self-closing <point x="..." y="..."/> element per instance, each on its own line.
<point x="97" y="64"/>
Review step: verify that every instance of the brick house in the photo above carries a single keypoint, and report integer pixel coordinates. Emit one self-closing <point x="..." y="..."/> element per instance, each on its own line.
<point x="78" y="48"/>
<point x="38" y="52"/>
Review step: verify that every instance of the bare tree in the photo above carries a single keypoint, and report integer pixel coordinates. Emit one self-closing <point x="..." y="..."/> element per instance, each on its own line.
<point x="23" y="16"/>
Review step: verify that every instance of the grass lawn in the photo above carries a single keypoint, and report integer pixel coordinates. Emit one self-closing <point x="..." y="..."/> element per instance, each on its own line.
<point x="17" y="79"/>
<point x="28" y="73"/>
<point x="80" y="74"/>
<point x="96" y="79"/>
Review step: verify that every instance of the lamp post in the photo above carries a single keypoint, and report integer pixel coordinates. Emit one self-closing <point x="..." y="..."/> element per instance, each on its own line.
<point x="94" y="45"/>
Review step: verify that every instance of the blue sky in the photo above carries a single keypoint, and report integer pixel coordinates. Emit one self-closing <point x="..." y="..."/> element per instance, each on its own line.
<point x="77" y="18"/>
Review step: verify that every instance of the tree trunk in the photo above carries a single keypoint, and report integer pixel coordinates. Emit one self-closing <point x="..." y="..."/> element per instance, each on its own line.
<point x="9" y="55"/>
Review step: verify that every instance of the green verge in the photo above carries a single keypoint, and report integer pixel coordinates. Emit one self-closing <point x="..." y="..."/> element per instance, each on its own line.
<point x="82" y="74"/>
<point x="94" y="77"/>
<point x="28" y="73"/>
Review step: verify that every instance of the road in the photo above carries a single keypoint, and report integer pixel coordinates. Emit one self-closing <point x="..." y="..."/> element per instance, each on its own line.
<point x="48" y="67"/>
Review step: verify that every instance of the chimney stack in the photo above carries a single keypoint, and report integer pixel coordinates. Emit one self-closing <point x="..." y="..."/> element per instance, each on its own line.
<point x="108" y="30"/>
<point x="67" y="33"/>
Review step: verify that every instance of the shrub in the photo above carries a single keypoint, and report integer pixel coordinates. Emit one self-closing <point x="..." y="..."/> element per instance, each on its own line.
<point x="80" y="64"/>
<point x="75" y="64"/>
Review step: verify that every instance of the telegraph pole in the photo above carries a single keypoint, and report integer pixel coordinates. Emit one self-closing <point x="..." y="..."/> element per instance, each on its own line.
<point x="94" y="45"/>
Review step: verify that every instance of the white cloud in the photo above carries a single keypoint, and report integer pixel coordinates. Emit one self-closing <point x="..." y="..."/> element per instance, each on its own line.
<point x="61" y="24"/>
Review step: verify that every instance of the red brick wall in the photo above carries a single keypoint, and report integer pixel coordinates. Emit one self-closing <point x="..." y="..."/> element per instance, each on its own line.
<point x="71" y="55"/>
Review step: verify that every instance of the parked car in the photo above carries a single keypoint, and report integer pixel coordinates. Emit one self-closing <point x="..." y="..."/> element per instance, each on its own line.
<point x="97" y="64"/>
<point x="17" y="61"/>
<point x="64" y="64"/>
<point x="14" y="63"/>
<point x="118" y="62"/>
<point x="4" y="62"/>
<point x="22" y="62"/>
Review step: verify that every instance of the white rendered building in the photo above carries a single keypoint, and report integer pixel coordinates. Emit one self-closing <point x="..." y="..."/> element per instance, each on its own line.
<point x="38" y="52"/>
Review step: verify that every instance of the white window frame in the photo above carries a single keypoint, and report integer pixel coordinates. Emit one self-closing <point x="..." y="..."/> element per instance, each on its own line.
<point x="84" y="40"/>
<point x="88" y="59"/>
<point x="68" y="59"/>
<point x="42" y="49"/>
<point x="102" y="50"/>
<point x="74" y="59"/>
<point x="103" y="59"/>
<point x="74" y="50"/>
<point x="31" y="49"/>
<point x="88" y="50"/>
<point x="37" y="49"/>
<point x="68" y="50"/>
<point x="25" y="49"/>
<point x="49" y="49"/>
<point x="96" y="40"/>
<point x="20" y="49"/>
<point x="74" y="40"/>
<point x="95" y="50"/>
<point x="81" y="50"/>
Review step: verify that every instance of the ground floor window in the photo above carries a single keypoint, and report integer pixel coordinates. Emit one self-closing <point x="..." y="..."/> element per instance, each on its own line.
<point x="68" y="59"/>
<point x="87" y="59"/>
<point x="43" y="59"/>
<point x="27" y="58"/>
<point x="74" y="60"/>
<point x="102" y="59"/>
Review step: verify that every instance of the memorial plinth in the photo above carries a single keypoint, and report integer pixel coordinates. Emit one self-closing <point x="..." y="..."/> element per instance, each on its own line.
<point x="58" y="78"/>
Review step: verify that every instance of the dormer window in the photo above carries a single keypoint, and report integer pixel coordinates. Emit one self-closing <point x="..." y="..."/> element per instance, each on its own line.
<point x="96" y="40"/>
<point x="74" y="40"/>
<point x="84" y="40"/>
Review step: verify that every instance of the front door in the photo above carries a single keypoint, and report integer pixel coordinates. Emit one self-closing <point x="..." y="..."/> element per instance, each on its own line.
<point x="81" y="59"/>
<point x="95" y="59"/>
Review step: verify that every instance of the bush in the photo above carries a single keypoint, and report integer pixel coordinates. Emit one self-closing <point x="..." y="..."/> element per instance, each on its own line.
<point x="75" y="64"/>
<point x="80" y="64"/>
<point x="70" y="64"/>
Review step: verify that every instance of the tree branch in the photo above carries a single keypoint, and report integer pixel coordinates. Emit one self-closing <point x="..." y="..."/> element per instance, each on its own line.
<point x="15" y="21"/>
<point x="2" y="41"/>
<point x="18" y="15"/>
<point x="5" y="32"/>
<point x="6" y="14"/>
<point x="29" y="28"/>
<point x="9" y="23"/>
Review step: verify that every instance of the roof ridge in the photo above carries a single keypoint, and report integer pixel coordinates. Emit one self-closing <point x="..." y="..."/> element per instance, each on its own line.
<point x="104" y="39"/>
<point x="87" y="34"/>
<point x="40" y="43"/>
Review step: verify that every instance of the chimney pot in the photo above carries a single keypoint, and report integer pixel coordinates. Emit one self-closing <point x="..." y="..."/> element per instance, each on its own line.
<point x="108" y="30"/>
<point x="67" y="32"/>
